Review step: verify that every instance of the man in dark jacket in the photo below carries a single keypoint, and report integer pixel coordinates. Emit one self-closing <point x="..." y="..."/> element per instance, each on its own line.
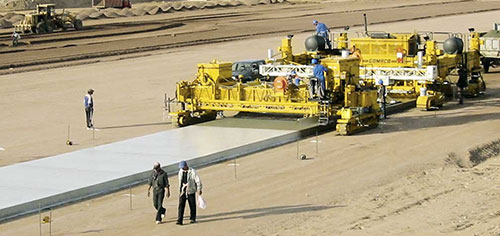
<point x="159" y="181"/>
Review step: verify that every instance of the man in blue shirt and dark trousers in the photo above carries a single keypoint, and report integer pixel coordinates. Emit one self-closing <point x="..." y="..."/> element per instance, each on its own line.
<point x="318" y="80"/>
<point x="88" y="101"/>
<point x="323" y="31"/>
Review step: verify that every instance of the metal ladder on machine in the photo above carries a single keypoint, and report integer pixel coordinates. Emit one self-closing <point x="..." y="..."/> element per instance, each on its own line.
<point x="324" y="118"/>
<point x="304" y="71"/>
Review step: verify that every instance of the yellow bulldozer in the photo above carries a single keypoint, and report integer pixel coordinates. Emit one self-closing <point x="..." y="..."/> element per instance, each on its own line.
<point x="348" y="106"/>
<point x="46" y="20"/>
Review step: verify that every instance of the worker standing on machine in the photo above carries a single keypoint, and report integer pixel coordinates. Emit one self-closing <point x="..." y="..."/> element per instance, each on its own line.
<point x="318" y="74"/>
<point x="88" y="102"/>
<point x="323" y="31"/>
<point x="355" y="52"/>
<point x="159" y="181"/>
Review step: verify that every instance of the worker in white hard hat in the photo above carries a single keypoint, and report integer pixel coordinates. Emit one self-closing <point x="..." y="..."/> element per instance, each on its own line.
<point x="323" y="31"/>
<point x="88" y="102"/>
<point x="159" y="182"/>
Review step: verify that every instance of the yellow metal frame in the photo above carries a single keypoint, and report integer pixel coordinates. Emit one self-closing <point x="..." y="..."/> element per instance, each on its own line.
<point x="351" y="107"/>
<point x="378" y="52"/>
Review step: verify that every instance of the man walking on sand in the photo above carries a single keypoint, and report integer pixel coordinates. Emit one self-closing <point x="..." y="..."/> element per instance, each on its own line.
<point x="159" y="181"/>
<point x="190" y="183"/>
<point x="88" y="102"/>
<point x="15" y="39"/>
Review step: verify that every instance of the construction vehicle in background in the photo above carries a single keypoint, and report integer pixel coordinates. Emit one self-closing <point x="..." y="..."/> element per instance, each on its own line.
<point x="349" y="106"/>
<point x="490" y="49"/>
<point x="46" y="20"/>
<point x="411" y="65"/>
<point x="111" y="3"/>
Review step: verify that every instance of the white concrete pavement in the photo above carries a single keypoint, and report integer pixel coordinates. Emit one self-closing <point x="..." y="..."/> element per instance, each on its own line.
<point x="48" y="182"/>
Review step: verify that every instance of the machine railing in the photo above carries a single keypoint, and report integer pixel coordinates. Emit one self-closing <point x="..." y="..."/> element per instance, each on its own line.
<point x="284" y="70"/>
<point x="389" y="75"/>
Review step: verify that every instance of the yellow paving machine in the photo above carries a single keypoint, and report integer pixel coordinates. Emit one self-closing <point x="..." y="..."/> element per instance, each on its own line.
<point x="348" y="105"/>
<point x="417" y="65"/>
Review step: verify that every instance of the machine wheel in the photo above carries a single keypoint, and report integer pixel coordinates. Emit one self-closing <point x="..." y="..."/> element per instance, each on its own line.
<point x="179" y="122"/>
<point x="50" y="29"/>
<point x="41" y="28"/>
<point x="344" y="129"/>
<point x="483" y="84"/>
<point x="486" y="68"/>
<point x="78" y="24"/>
<point x="486" y="65"/>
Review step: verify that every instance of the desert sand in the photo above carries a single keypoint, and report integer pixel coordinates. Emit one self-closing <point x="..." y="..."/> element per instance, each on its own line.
<point x="413" y="175"/>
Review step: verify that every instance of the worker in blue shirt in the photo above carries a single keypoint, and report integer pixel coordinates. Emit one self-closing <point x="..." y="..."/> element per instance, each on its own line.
<point x="293" y="78"/>
<point x="323" y="31"/>
<point x="318" y="80"/>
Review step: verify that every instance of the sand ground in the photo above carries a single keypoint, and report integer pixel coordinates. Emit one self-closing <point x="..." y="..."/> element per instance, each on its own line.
<point x="120" y="36"/>
<point x="130" y="88"/>
<point x="409" y="176"/>
<point x="403" y="178"/>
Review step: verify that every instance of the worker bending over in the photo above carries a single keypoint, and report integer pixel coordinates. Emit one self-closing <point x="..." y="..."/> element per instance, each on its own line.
<point x="323" y="31"/>
<point x="293" y="78"/>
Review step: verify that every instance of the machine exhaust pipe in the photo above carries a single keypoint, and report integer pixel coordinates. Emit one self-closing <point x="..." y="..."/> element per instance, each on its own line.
<point x="366" y="24"/>
<point x="420" y="59"/>
<point x="269" y="54"/>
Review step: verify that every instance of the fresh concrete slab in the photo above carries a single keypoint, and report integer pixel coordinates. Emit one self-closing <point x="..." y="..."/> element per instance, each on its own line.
<point x="61" y="179"/>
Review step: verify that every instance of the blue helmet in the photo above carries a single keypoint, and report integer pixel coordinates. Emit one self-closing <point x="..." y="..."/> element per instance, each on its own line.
<point x="314" y="61"/>
<point x="182" y="164"/>
<point x="293" y="72"/>
<point x="315" y="22"/>
<point x="381" y="82"/>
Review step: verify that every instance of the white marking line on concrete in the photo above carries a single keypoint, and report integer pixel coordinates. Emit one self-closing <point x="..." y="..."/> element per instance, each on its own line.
<point x="128" y="195"/>
<point x="313" y="141"/>
<point x="1" y="149"/>
<point x="232" y="164"/>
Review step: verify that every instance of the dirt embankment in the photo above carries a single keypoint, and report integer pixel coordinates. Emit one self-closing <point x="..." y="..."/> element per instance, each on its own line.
<point x="12" y="18"/>
<point x="457" y="198"/>
<point x="18" y="5"/>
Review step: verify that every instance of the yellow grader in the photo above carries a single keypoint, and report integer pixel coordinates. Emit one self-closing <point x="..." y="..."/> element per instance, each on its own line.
<point x="412" y="69"/>
<point x="45" y="20"/>
<point x="349" y="106"/>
